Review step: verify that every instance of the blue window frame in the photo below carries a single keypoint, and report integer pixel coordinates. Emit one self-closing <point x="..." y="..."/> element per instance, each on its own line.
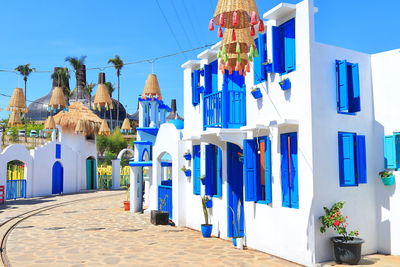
<point x="257" y="170"/>
<point x="196" y="170"/>
<point x="260" y="68"/>
<point x="213" y="176"/>
<point x="352" y="159"/>
<point x="392" y="151"/>
<point x="196" y="87"/>
<point x="211" y="78"/>
<point x="289" y="171"/>
<point x="348" y="87"/>
<point x="284" y="47"/>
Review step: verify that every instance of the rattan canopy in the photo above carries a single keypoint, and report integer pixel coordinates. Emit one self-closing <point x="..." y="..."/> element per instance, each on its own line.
<point x="104" y="129"/>
<point x="102" y="97"/>
<point x="152" y="88"/>
<point x="57" y="100"/>
<point x="17" y="101"/>
<point x="15" y="119"/>
<point x="126" y="125"/>
<point x="50" y="124"/>
<point x="69" y="120"/>
<point x="243" y="39"/>
<point x="236" y="14"/>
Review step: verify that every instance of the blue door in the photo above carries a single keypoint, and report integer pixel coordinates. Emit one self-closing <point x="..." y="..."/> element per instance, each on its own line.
<point x="165" y="199"/>
<point x="235" y="191"/>
<point x="58" y="178"/>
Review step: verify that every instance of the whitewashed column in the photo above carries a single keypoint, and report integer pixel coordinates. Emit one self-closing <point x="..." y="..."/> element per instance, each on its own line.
<point x="116" y="173"/>
<point x="136" y="196"/>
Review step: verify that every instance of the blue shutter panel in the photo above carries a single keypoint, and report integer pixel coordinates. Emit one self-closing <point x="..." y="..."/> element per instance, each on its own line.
<point x="294" y="185"/>
<point x="342" y="86"/>
<point x="277" y="50"/>
<point x="210" y="170"/>
<point x="195" y="87"/>
<point x="250" y="170"/>
<point x="361" y="160"/>
<point x="260" y="74"/>
<point x="397" y="149"/>
<point x="196" y="170"/>
<point x="390" y="152"/>
<point x="347" y="159"/>
<point x="268" y="171"/>
<point x="208" y="79"/>
<point x="218" y="192"/>
<point x="285" y="172"/>
<point x="354" y="88"/>
<point x="290" y="45"/>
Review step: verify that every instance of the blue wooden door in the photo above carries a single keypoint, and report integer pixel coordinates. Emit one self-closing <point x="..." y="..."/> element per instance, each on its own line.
<point x="289" y="171"/>
<point x="235" y="191"/>
<point x="58" y="178"/>
<point x="165" y="199"/>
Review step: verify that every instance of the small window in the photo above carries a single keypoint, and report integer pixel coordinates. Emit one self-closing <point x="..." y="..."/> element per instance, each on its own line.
<point x="348" y="87"/>
<point x="284" y="47"/>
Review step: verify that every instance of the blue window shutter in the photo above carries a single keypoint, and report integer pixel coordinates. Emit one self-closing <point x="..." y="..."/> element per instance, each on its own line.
<point x="268" y="171"/>
<point x="277" y="50"/>
<point x="285" y="172"/>
<point x="214" y="66"/>
<point x="342" y="86"/>
<point x="397" y="149"/>
<point x="390" y="152"/>
<point x="354" y="88"/>
<point x="290" y="45"/>
<point x="347" y="172"/>
<point x="58" y="151"/>
<point x="210" y="170"/>
<point x="361" y="160"/>
<point x="195" y="87"/>
<point x="250" y="170"/>
<point x="293" y="181"/>
<point x="218" y="192"/>
<point x="196" y="170"/>
<point x="208" y="83"/>
<point x="260" y="74"/>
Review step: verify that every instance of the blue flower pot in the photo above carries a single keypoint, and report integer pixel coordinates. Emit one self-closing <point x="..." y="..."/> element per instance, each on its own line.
<point x="203" y="181"/>
<point x="257" y="93"/>
<point x="285" y="84"/>
<point x="187" y="156"/>
<point x="206" y="230"/>
<point x="188" y="173"/>
<point x="388" y="181"/>
<point x="268" y="68"/>
<point x="209" y="204"/>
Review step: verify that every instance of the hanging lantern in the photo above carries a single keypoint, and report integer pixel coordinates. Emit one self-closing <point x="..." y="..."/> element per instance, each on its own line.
<point x="152" y="88"/>
<point x="17" y="102"/>
<point x="104" y="129"/>
<point x="236" y="14"/>
<point x="126" y="125"/>
<point x="102" y="97"/>
<point x="57" y="100"/>
<point x="15" y="119"/>
<point x="50" y="124"/>
<point x="81" y="127"/>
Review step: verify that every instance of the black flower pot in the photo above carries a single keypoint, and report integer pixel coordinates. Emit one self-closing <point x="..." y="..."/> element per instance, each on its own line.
<point x="347" y="251"/>
<point x="158" y="217"/>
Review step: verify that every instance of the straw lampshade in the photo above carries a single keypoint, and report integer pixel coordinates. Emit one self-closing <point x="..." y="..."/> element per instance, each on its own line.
<point x="50" y="124"/>
<point x="104" y="129"/>
<point x="57" y="100"/>
<point x="102" y="97"/>
<point x="17" y="102"/>
<point x="152" y="88"/>
<point x="126" y="125"/>
<point x="15" y="119"/>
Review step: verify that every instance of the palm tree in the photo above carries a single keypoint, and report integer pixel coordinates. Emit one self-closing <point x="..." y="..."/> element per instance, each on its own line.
<point x="110" y="88"/>
<point x="61" y="77"/>
<point x="88" y="90"/>
<point x="76" y="63"/>
<point x="25" y="71"/>
<point x="118" y="65"/>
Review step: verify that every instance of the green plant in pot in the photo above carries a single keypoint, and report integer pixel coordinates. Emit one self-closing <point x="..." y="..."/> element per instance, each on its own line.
<point x="347" y="247"/>
<point x="237" y="239"/>
<point x="387" y="177"/>
<point x="206" y="228"/>
<point x="160" y="217"/>
<point x="127" y="203"/>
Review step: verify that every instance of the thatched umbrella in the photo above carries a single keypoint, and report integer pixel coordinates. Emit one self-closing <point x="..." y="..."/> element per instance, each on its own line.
<point x="78" y="112"/>
<point x="126" y="125"/>
<point x="50" y="124"/>
<point x="17" y="101"/>
<point x="104" y="129"/>
<point x="15" y="119"/>
<point x="102" y="97"/>
<point x="57" y="100"/>
<point x="152" y="88"/>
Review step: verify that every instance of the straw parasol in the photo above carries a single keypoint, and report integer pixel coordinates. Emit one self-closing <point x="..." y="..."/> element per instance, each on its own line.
<point x="102" y="97"/>
<point x="15" y="119"/>
<point x="152" y="88"/>
<point x="104" y="129"/>
<point x="50" y="124"/>
<point x="69" y="120"/>
<point x="126" y="125"/>
<point x="57" y="100"/>
<point x="17" y="101"/>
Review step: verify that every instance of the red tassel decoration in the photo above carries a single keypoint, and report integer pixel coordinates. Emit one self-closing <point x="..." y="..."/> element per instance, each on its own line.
<point x="211" y="25"/>
<point x="220" y="33"/>
<point x="241" y="72"/>
<point x="235" y="19"/>
<point x="253" y="18"/>
<point x="230" y="69"/>
<point x="222" y="20"/>
<point x="248" y="67"/>
<point x="233" y="35"/>
<point x="237" y="68"/>
<point x="223" y="71"/>
<point x="261" y="27"/>
<point x="252" y="31"/>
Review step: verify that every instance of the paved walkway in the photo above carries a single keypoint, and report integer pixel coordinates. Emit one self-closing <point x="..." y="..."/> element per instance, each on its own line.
<point x="372" y="260"/>
<point x="100" y="233"/>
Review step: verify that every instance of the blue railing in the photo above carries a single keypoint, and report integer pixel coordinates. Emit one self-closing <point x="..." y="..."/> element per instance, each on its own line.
<point x="16" y="189"/>
<point x="224" y="109"/>
<point x="165" y="199"/>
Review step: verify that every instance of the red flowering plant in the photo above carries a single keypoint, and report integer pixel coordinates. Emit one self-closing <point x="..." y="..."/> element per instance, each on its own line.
<point x="334" y="218"/>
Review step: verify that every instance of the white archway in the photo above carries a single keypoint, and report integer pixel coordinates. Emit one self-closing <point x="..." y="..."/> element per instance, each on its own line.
<point x="123" y="151"/>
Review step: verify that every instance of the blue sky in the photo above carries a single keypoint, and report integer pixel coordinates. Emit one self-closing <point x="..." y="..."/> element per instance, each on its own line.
<point x="44" y="32"/>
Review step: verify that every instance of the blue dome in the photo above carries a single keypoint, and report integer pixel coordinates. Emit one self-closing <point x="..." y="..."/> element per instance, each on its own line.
<point x="179" y="124"/>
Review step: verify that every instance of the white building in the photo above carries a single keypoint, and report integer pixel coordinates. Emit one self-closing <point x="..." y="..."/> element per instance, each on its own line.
<point x="312" y="145"/>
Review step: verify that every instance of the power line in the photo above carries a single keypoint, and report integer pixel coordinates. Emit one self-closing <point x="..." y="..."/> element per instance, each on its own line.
<point x="190" y="21"/>
<point x="180" y="22"/>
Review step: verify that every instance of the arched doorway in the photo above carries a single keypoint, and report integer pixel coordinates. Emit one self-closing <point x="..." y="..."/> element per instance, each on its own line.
<point x="91" y="173"/>
<point x="58" y="178"/>
<point x="16" y="180"/>
<point x="165" y="188"/>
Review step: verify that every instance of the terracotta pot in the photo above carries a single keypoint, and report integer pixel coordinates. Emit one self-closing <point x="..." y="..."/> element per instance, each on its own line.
<point x="127" y="205"/>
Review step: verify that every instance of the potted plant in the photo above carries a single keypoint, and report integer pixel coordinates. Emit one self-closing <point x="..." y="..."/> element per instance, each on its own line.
<point x="187" y="172"/>
<point x="268" y="66"/>
<point x="127" y="203"/>
<point x="347" y="247"/>
<point x="187" y="155"/>
<point x="203" y="179"/>
<point x="387" y="177"/>
<point x="160" y="217"/>
<point x="206" y="228"/>
<point x="285" y="84"/>
<point x="256" y="92"/>
<point x="237" y="239"/>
